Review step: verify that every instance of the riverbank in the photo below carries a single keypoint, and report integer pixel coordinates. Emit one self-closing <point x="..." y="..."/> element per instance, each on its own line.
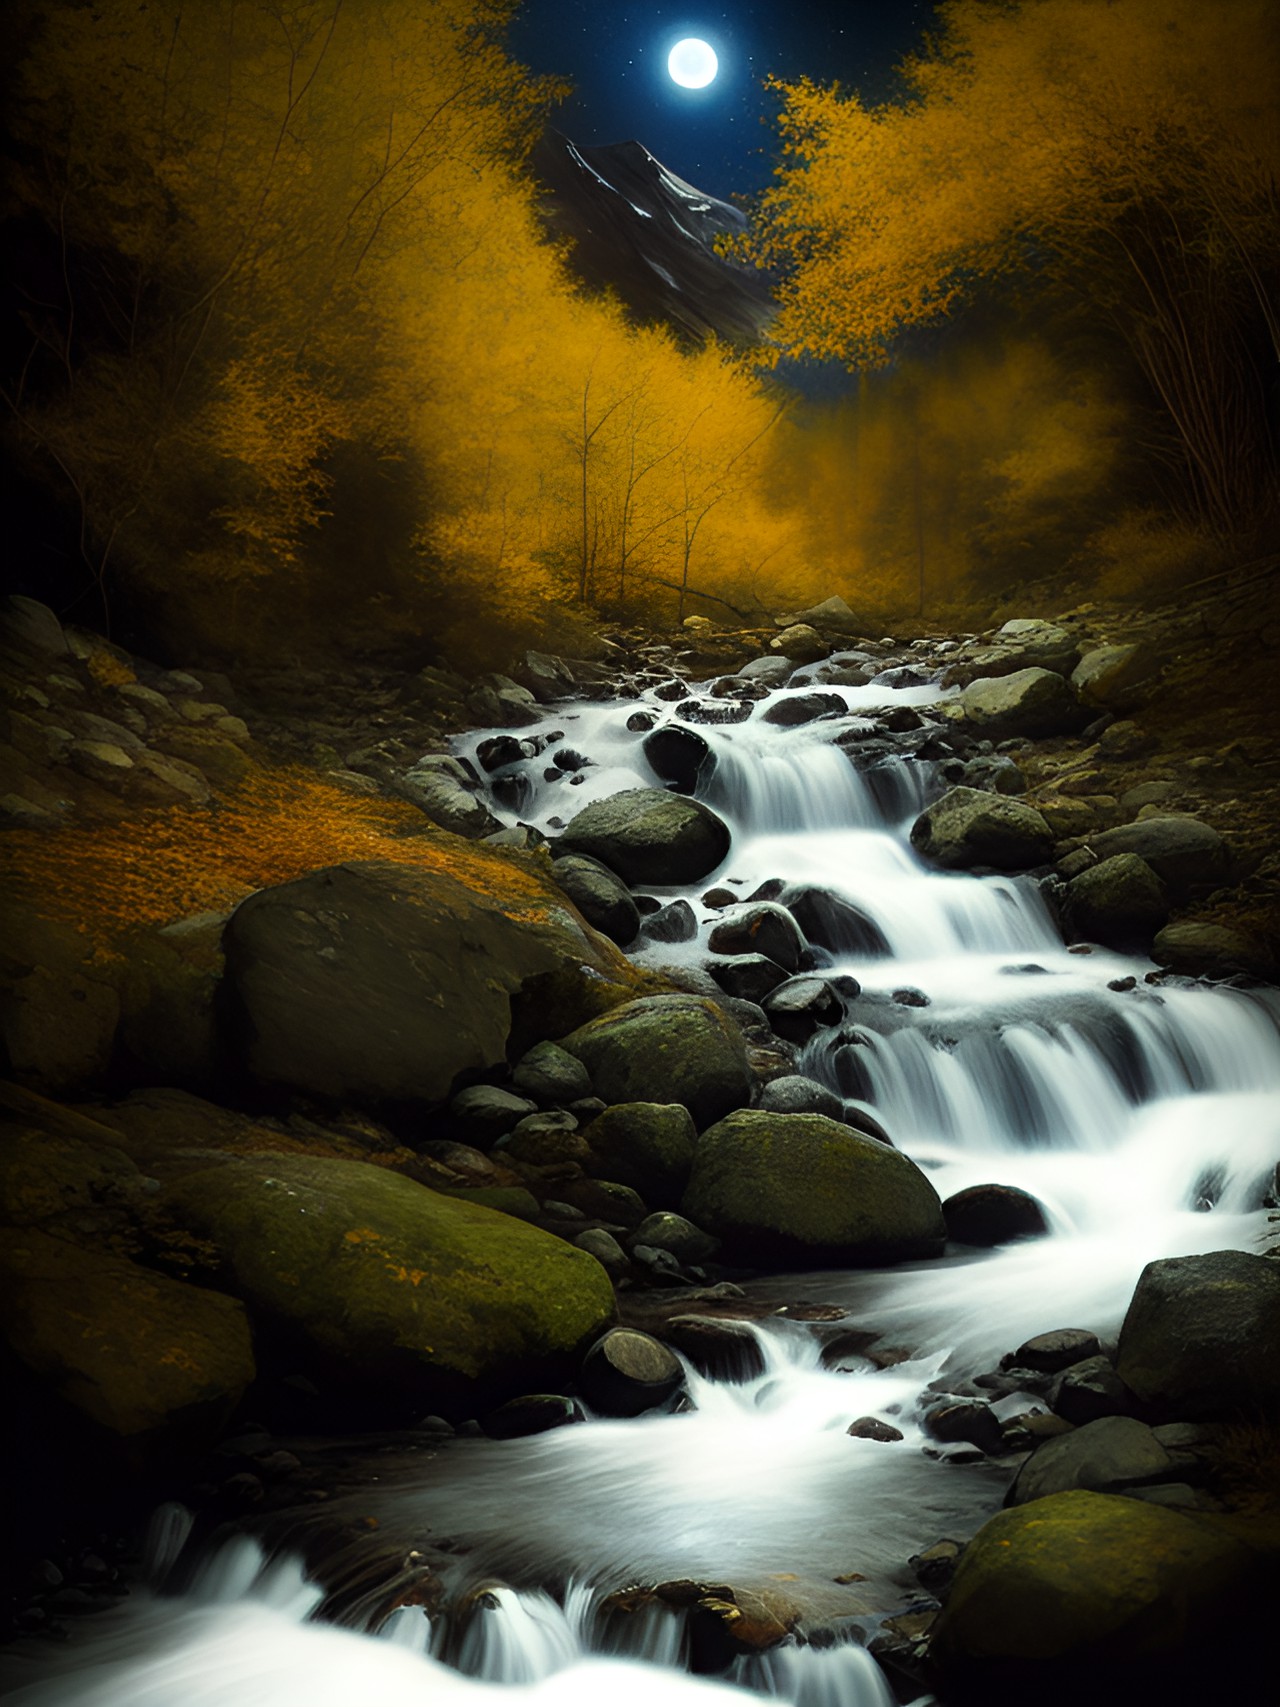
<point x="179" y="1061"/>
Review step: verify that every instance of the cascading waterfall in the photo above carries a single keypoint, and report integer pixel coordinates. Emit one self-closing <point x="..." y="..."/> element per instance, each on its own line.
<point x="1144" y="1117"/>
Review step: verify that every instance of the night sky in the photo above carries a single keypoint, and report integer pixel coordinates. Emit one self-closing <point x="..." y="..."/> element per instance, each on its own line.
<point x="719" y="138"/>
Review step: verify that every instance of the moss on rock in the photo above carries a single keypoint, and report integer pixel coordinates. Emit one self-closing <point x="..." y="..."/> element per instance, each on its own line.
<point x="799" y="1190"/>
<point x="392" y="1295"/>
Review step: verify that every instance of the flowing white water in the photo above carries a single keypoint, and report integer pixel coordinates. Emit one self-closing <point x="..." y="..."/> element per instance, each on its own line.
<point x="1145" y="1118"/>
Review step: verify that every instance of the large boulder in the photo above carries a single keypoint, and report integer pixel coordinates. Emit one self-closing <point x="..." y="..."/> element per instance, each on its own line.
<point x="646" y="1145"/>
<point x="1120" y="902"/>
<point x="1201" y="1337"/>
<point x="1183" y="852"/>
<point x="1032" y="702"/>
<point x="970" y="827"/>
<point x="802" y="1191"/>
<point x="1202" y="948"/>
<point x="149" y="1361"/>
<point x="394" y="1298"/>
<point x="441" y="787"/>
<point x="377" y="982"/>
<point x="666" y="1049"/>
<point x="763" y="928"/>
<point x="647" y="835"/>
<point x="1080" y="1594"/>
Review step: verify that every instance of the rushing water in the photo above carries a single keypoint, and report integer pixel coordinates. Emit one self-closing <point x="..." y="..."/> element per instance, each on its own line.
<point x="1144" y="1117"/>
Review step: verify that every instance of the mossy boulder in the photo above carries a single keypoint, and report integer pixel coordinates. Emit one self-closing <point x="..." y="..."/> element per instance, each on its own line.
<point x="970" y="827"/>
<point x="646" y="1145"/>
<point x="371" y="982"/>
<point x="1047" y="1592"/>
<point x="666" y="1049"/>
<point x="145" y="1359"/>
<point x="394" y="1298"/>
<point x="648" y="835"/>
<point x="802" y="1191"/>
<point x="1185" y="853"/>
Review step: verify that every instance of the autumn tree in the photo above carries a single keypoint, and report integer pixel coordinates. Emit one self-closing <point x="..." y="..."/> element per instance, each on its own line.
<point x="1124" y="150"/>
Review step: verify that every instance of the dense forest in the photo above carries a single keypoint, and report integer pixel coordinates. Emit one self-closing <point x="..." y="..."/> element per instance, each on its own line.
<point x="291" y="340"/>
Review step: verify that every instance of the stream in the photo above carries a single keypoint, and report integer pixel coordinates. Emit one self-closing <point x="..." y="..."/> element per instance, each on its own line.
<point x="1143" y="1116"/>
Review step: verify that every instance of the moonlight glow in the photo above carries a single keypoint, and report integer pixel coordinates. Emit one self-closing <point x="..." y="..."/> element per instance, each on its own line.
<point x="692" y="63"/>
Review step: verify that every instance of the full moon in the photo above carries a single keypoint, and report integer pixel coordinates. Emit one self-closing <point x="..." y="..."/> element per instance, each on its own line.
<point x="692" y="63"/>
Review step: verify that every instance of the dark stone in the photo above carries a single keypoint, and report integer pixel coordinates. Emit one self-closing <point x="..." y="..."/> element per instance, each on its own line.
<point x="600" y="896"/>
<point x="1201" y="1337"/>
<point x="648" y="1146"/>
<point x="726" y="1350"/>
<point x="674" y="1048"/>
<point x="795" y="1094"/>
<point x="1049" y="1353"/>
<point x="831" y="922"/>
<point x="872" y="1428"/>
<point x="987" y="1215"/>
<point x="909" y="998"/>
<point x="699" y="711"/>
<point x="719" y="897"/>
<point x="639" y="721"/>
<point x="648" y="835"/>
<point x="969" y="1420"/>
<point x="678" y="756"/>
<point x="750" y="977"/>
<point x="675" y="922"/>
<point x="670" y="690"/>
<point x="499" y="750"/>
<point x="801" y="1007"/>
<point x="763" y="928"/>
<point x="1089" y="1390"/>
<point x="626" y="1373"/>
<point x="801" y="708"/>
<point x="569" y="759"/>
<point x="531" y="1413"/>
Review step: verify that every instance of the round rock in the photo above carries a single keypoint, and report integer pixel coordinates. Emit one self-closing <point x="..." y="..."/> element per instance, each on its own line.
<point x="626" y="1373"/>
<point x="648" y="835"/>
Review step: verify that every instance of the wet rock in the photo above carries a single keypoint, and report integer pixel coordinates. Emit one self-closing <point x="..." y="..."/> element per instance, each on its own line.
<point x="392" y="1297"/>
<point x="663" y="1049"/>
<point x="648" y="1146"/>
<point x="676" y="922"/>
<point x="1104" y="1455"/>
<point x="1201" y="1337"/>
<point x="1089" y="1390"/>
<point x="719" y="897"/>
<point x="800" y="708"/>
<point x="679" y="756"/>
<point x="679" y="1238"/>
<point x="639" y="721"/>
<point x="873" y="1428"/>
<point x="531" y="1413"/>
<point x="1183" y="852"/>
<point x="550" y="1074"/>
<point x="647" y="835"/>
<point x="500" y="750"/>
<point x="935" y="1566"/>
<point x="966" y="1420"/>
<point x="989" y="1215"/>
<point x="910" y="998"/>
<point x="1032" y="702"/>
<point x="1051" y="1599"/>
<point x="801" y="1007"/>
<point x="968" y="827"/>
<point x="626" y="1373"/>
<point x="749" y="977"/>
<point x="829" y="921"/>
<point x="725" y="1349"/>
<point x="798" y="1190"/>
<point x="792" y="1093"/>
<point x="764" y="928"/>
<point x="605" y="1249"/>
<point x="1049" y="1353"/>
<point x="600" y="896"/>
<point x="1120" y="902"/>
<point x="772" y="672"/>
<point x="441" y="788"/>
<point x="487" y="1111"/>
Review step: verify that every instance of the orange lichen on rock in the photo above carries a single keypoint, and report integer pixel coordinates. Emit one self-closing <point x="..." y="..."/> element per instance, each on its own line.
<point x="169" y="864"/>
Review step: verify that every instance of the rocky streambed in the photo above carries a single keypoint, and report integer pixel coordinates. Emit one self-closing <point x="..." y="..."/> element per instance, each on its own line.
<point x="697" y="1168"/>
